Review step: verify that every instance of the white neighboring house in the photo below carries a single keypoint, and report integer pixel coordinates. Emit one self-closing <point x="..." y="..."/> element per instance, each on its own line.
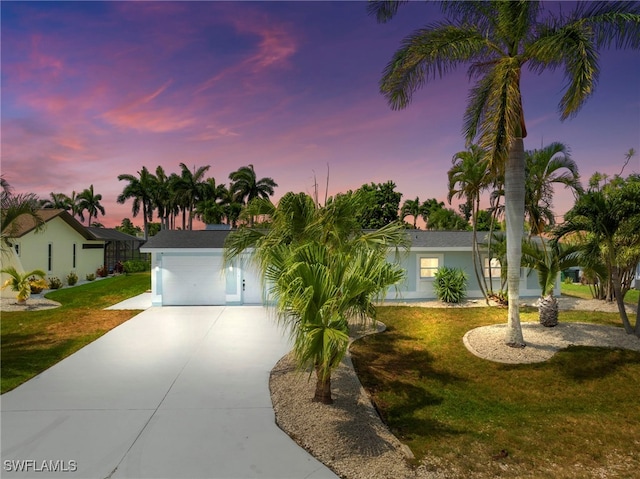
<point x="187" y="269"/>
<point x="63" y="245"/>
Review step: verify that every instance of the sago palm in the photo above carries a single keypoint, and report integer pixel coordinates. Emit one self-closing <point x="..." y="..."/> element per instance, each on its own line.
<point x="19" y="282"/>
<point x="497" y="39"/>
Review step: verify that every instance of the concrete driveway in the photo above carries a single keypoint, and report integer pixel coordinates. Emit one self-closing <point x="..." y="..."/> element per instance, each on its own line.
<point x="175" y="392"/>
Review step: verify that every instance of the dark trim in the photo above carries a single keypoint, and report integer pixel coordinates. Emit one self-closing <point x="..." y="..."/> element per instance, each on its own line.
<point x="92" y="246"/>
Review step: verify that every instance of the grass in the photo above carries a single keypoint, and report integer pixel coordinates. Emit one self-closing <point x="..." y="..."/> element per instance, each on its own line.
<point x="33" y="341"/>
<point x="582" y="291"/>
<point x="571" y="417"/>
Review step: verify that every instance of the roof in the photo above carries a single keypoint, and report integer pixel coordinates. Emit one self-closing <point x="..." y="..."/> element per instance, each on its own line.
<point x="25" y="223"/>
<point x="187" y="239"/>
<point x="206" y="239"/>
<point x="112" y="234"/>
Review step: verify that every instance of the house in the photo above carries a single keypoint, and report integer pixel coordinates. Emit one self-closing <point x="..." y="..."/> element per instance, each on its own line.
<point x="64" y="245"/>
<point x="187" y="268"/>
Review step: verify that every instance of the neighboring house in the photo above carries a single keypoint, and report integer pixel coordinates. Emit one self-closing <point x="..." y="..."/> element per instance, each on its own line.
<point x="118" y="246"/>
<point x="187" y="269"/>
<point x="62" y="246"/>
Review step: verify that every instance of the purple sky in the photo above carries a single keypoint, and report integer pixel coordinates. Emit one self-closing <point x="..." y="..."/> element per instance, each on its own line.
<point x="93" y="90"/>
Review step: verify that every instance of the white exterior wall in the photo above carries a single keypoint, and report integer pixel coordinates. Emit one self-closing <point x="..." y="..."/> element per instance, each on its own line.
<point x="34" y="251"/>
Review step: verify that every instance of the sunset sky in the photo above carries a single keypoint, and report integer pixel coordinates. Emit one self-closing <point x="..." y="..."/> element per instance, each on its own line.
<point x="93" y="90"/>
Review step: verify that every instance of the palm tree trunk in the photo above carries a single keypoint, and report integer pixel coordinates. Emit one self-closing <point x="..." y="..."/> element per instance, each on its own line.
<point x="548" y="310"/>
<point x="637" y="331"/>
<point x="323" y="387"/>
<point x="617" y="292"/>
<point x="514" y="211"/>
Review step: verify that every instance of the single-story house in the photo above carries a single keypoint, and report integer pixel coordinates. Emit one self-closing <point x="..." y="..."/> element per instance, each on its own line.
<point x="187" y="268"/>
<point x="63" y="245"/>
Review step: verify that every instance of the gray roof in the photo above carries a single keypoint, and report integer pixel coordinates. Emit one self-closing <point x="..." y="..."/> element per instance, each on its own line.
<point x="215" y="239"/>
<point x="111" y="234"/>
<point x="187" y="239"/>
<point x="444" y="239"/>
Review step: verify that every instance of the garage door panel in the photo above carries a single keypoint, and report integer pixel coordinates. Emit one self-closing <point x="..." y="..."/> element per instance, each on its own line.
<point x="192" y="280"/>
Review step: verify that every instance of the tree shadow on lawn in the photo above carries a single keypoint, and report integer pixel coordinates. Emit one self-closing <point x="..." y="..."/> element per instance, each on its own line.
<point x="586" y="363"/>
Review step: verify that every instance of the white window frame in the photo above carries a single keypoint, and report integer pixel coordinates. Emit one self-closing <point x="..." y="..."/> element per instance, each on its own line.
<point x="496" y="267"/>
<point x="420" y="257"/>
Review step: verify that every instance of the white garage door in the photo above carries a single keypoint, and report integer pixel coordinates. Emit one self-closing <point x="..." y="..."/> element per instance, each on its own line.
<point x="192" y="280"/>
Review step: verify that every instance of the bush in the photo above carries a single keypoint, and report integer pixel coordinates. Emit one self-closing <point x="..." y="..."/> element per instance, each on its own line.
<point x="37" y="285"/>
<point x="136" y="266"/>
<point x="102" y="272"/>
<point x="568" y="280"/>
<point x="450" y="284"/>
<point x="55" y="283"/>
<point x="90" y="277"/>
<point x="72" y="278"/>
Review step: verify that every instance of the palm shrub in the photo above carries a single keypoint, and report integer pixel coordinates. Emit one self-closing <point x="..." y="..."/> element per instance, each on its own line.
<point x="548" y="259"/>
<point x="450" y="284"/>
<point x="20" y="282"/>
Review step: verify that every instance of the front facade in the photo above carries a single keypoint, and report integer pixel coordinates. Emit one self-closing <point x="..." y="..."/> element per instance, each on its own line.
<point x="187" y="268"/>
<point x="62" y="246"/>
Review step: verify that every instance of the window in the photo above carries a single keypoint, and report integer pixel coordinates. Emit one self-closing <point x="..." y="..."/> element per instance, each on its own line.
<point x="50" y="257"/>
<point x="74" y="256"/>
<point x="16" y="246"/>
<point x="428" y="266"/>
<point x="492" y="265"/>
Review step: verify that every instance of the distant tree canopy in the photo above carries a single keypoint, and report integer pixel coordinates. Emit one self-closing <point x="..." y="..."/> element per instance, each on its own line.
<point x="384" y="205"/>
<point x="128" y="227"/>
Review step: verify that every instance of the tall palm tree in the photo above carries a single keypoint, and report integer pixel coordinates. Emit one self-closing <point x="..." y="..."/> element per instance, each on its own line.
<point x="57" y="201"/>
<point x="161" y="196"/>
<point x="187" y="190"/>
<point x="604" y="215"/>
<point x="246" y="187"/>
<point x="548" y="261"/>
<point x="497" y="39"/>
<point x="210" y="207"/>
<point x="411" y="208"/>
<point x="89" y="201"/>
<point x="320" y="269"/>
<point x="140" y="190"/>
<point x="468" y="177"/>
<point x="544" y="168"/>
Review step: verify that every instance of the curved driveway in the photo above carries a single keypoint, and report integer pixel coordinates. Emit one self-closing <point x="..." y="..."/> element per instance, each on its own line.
<point x="175" y="392"/>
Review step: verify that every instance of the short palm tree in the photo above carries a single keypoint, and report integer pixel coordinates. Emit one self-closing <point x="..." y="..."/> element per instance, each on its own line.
<point x="57" y="201"/>
<point x="497" y="39"/>
<point x="320" y="270"/>
<point x="411" y="208"/>
<point x="19" y="282"/>
<point x="549" y="260"/>
<point x="89" y="201"/>
<point x="245" y="186"/>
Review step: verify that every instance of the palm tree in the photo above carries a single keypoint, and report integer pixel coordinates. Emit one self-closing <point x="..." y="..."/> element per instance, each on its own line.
<point x="470" y="173"/>
<point x="140" y="189"/>
<point x="210" y="207"/>
<point x="542" y="171"/>
<point x="19" y="282"/>
<point x="57" y="201"/>
<point x="321" y="270"/>
<point x="161" y="196"/>
<point x="187" y="190"/>
<point x="12" y="208"/>
<point x="604" y="215"/>
<point x="411" y="208"/>
<point x="497" y="39"/>
<point x="90" y="202"/>
<point x="245" y="186"/>
<point x="548" y="261"/>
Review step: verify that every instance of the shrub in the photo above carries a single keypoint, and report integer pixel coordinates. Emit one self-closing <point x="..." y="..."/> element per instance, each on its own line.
<point x="55" y="283"/>
<point x="118" y="268"/>
<point x="450" y="284"/>
<point x="90" y="277"/>
<point x="72" y="278"/>
<point x="136" y="266"/>
<point x="37" y="285"/>
<point x="568" y="280"/>
<point x="102" y="272"/>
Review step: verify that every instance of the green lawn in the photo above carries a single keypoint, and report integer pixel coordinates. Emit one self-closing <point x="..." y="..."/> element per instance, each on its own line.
<point x="582" y="291"/>
<point x="565" y="418"/>
<point x="33" y="341"/>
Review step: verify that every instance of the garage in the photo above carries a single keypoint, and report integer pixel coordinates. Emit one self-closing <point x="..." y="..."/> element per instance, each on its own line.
<point x="193" y="279"/>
